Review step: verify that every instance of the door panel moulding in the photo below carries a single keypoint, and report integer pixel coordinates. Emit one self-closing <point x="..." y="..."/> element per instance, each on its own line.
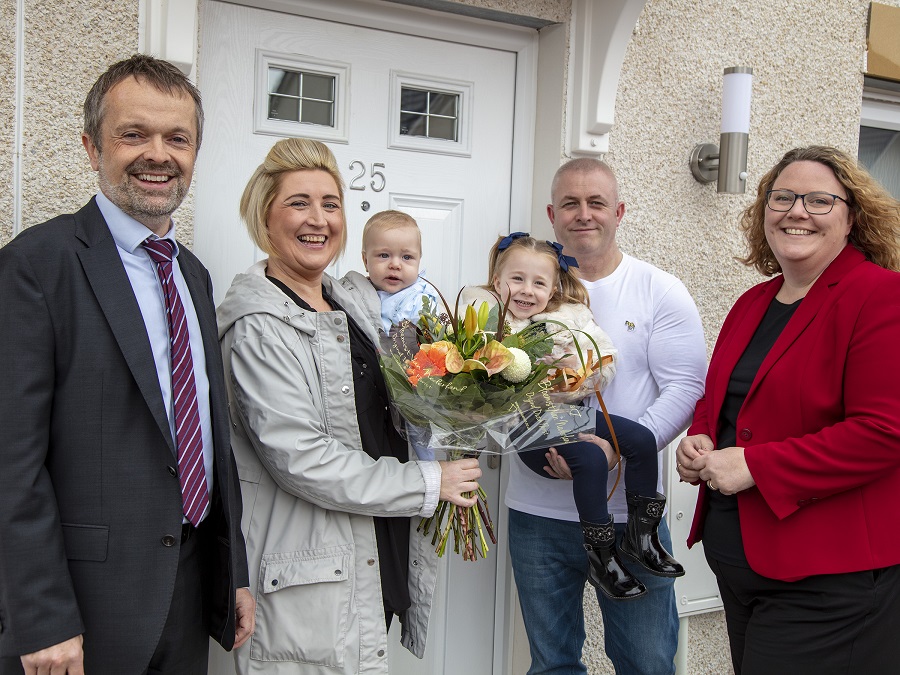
<point x="600" y="35"/>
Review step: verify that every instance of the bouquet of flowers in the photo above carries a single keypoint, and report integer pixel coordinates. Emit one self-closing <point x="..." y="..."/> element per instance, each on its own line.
<point x="465" y="386"/>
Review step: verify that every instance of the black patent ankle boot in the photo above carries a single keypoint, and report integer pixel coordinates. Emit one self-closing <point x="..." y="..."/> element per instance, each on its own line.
<point x="607" y="571"/>
<point x="641" y="542"/>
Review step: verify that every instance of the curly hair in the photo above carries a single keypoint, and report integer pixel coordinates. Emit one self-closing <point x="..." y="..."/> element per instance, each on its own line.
<point x="286" y="156"/>
<point x="567" y="285"/>
<point x="875" y="214"/>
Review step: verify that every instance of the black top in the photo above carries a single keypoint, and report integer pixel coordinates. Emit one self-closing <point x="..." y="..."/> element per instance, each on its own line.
<point x="379" y="439"/>
<point x="722" y="528"/>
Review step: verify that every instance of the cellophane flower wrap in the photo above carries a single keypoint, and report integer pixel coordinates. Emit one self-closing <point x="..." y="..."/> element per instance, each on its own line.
<point x="462" y="387"/>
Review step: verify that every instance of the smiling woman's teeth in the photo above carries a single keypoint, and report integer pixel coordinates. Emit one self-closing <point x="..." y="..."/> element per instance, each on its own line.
<point x="793" y="230"/>
<point x="312" y="238"/>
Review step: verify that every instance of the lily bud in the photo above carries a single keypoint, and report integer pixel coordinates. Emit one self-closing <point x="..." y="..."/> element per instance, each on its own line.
<point x="483" y="313"/>
<point x="471" y="322"/>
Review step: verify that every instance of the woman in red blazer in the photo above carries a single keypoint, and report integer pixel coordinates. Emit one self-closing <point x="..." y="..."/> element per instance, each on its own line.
<point x="796" y="442"/>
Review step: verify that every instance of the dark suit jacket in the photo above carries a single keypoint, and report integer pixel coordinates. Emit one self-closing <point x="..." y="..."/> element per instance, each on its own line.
<point x="820" y="424"/>
<point x="89" y="502"/>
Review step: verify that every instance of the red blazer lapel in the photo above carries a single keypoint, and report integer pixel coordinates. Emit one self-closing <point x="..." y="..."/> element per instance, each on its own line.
<point x="822" y="292"/>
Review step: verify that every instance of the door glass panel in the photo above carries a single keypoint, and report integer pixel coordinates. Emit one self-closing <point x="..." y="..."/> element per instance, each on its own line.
<point x="413" y="125"/>
<point x="284" y="82"/>
<point x="298" y="96"/>
<point x="440" y="127"/>
<point x="317" y="112"/>
<point x="879" y="152"/>
<point x="413" y="100"/>
<point x="443" y="104"/>
<point x="318" y="86"/>
<point x="431" y="114"/>
<point x="284" y="108"/>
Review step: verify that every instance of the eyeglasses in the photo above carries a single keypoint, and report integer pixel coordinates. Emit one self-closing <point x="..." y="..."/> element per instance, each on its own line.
<point x="815" y="203"/>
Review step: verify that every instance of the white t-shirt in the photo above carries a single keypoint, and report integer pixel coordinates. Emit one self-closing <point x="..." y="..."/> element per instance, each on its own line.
<point x="654" y="324"/>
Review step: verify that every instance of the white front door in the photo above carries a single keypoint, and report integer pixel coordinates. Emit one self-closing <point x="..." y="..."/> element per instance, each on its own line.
<point x="379" y="92"/>
<point x="418" y="124"/>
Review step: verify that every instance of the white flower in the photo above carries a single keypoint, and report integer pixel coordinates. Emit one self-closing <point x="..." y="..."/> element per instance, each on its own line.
<point x="519" y="369"/>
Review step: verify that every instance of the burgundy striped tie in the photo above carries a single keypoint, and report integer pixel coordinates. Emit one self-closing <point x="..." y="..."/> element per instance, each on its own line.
<point x="188" y="438"/>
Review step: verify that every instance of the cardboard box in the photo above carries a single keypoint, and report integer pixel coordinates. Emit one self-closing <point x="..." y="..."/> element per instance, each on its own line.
<point x="884" y="42"/>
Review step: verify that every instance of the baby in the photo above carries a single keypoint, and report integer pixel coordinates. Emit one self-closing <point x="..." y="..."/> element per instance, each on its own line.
<point x="391" y="252"/>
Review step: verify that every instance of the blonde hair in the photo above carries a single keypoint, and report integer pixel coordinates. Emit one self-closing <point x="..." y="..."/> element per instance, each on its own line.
<point x="567" y="287"/>
<point x="286" y="156"/>
<point x="875" y="214"/>
<point x="389" y="220"/>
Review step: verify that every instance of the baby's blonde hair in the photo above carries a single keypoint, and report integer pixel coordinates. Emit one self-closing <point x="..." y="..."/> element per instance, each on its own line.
<point x="389" y="220"/>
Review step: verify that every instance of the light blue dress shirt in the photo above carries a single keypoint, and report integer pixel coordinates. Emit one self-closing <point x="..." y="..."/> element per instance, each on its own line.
<point x="141" y="270"/>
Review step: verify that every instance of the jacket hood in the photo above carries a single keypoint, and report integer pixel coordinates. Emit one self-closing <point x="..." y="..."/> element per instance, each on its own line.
<point x="251" y="293"/>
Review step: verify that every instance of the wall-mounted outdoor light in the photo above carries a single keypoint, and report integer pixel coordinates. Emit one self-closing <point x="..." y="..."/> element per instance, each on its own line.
<point x="728" y="161"/>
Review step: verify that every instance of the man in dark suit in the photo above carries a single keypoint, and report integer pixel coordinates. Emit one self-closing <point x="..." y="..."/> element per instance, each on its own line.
<point x="120" y="541"/>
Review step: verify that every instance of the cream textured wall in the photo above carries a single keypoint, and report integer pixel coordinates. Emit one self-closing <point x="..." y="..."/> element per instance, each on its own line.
<point x="68" y="43"/>
<point x="7" y="115"/>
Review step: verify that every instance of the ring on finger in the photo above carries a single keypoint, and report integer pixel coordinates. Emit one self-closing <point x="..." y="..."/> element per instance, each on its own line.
<point x="710" y="485"/>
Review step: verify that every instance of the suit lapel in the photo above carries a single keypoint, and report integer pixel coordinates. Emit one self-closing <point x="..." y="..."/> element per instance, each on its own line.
<point x="821" y="293"/>
<point x="109" y="282"/>
<point x="197" y="282"/>
<point x="195" y="277"/>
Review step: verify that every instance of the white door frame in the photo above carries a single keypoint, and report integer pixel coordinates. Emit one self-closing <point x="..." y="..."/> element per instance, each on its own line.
<point x="463" y="30"/>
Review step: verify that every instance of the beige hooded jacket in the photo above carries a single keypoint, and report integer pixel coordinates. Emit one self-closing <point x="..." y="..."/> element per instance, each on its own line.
<point x="309" y="489"/>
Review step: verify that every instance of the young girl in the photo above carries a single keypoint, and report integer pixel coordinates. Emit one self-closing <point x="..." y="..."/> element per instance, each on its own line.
<point x="537" y="283"/>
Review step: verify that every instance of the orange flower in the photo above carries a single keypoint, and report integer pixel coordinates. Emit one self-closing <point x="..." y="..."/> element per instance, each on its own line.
<point x="492" y="358"/>
<point x="433" y="360"/>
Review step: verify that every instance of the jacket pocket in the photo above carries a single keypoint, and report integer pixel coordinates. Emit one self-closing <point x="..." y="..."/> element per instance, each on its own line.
<point x="303" y="606"/>
<point x="85" y="542"/>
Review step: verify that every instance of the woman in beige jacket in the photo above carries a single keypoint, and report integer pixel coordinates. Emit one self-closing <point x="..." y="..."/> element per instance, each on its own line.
<point x="328" y="491"/>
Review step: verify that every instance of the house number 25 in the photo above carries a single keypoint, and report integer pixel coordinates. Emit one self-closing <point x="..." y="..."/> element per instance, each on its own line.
<point x="358" y="182"/>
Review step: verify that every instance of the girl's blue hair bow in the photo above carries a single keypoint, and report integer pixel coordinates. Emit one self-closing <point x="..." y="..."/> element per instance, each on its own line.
<point x="565" y="261"/>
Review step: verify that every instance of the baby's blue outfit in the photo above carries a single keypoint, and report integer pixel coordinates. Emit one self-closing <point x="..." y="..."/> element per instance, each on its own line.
<point x="405" y="304"/>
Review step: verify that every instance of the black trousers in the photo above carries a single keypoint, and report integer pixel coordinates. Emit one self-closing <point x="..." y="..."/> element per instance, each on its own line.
<point x="833" y="624"/>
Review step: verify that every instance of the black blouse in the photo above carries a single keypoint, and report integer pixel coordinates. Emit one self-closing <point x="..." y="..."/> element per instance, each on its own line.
<point x="379" y="439"/>
<point x="722" y="528"/>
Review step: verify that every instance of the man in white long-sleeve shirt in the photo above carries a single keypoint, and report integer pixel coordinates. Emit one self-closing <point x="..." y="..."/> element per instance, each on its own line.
<point x="654" y="324"/>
